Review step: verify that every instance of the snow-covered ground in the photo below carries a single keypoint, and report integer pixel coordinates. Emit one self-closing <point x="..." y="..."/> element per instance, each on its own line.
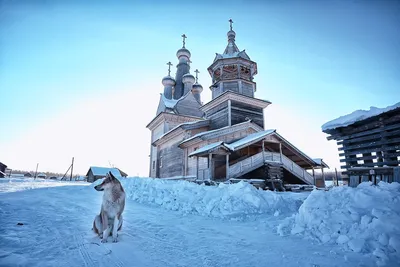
<point x="177" y="223"/>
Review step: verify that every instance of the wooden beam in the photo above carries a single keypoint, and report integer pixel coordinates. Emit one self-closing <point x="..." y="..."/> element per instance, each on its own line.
<point x="343" y="136"/>
<point x="377" y="136"/>
<point x="227" y="166"/>
<point x="378" y="164"/>
<point x="210" y="167"/>
<point x="381" y="142"/>
<point x="374" y="149"/>
<point x="197" y="168"/>
<point x="359" y="158"/>
<point x="229" y="113"/>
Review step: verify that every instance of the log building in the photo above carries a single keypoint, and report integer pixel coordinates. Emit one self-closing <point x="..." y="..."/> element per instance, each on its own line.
<point x="226" y="137"/>
<point x="369" y="144"/>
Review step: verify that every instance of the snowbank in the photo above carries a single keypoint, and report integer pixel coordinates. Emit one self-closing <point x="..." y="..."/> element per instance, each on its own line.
<point x="223" y="201"/>
<point x="365" y="219"/>
<point x="355" y="116"/>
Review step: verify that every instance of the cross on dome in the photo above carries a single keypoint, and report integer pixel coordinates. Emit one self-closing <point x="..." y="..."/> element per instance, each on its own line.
<point x="184" y="37"/>
<point x="230" y="22"/>
<point x="169" y="67"/>
<point x="197" y="72"/>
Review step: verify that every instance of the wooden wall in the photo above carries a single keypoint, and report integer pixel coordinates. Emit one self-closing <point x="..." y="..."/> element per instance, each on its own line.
<point x="240" y="112"/>
<point x="248" y="89"/>
<point x="171" y="161"/>
<point x="155" y="134"/>
<point x="218" y="116"/>
<point x="231" y="86"/>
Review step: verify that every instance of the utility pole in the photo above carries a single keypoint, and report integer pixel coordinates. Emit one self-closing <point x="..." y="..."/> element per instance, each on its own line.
<point x="336" y="177"/>
<point x="37" y="165"/>
<point x="72" y="168"/>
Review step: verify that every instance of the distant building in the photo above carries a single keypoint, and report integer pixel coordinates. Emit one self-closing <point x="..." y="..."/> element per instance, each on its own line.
<point x="369" y="144"/>
<point x="28" y="174"/>
<point x="2" y="170"/>
<point x="41" y="175"/>
<point x="95" y="173"/>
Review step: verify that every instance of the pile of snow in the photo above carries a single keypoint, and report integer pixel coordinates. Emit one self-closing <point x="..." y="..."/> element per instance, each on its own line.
<point x="357" y="115"/>
<point x="365" y="219"/>
<point x="223" y="201"/>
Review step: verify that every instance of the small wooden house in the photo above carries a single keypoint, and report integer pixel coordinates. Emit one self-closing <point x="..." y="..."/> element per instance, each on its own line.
<point x="41" y="175"/>
<point x="95" y="173"/>
<point x="369" y="144"/>
<point x="28" y="174"/>
<point x="3" y="168"/>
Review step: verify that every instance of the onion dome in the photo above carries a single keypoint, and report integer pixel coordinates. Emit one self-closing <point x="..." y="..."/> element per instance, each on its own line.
<point x="183" y="52"/>
<point x="231" y="35"/>
<point x="188" y="78"/>
<point x="168" y="81"/>
<point x="197" y="88"/>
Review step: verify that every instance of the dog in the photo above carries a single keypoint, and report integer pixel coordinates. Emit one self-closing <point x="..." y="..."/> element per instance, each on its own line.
<point x="109" y="221"/>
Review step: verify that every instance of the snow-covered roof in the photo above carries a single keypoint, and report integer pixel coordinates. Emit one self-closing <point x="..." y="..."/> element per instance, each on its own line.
<point x="356" y="116"/>
<point x="200" y="123"/>
<point x="208" y="148"/>
<point x="200" y="135"/>
<point x="241" y="54"/>
<point x="321" y="162"/>
<point x="41" y="175"/>
<point x="98" y="171"/>
<point x="251" y="138"/>
<point x="169" y="103"/>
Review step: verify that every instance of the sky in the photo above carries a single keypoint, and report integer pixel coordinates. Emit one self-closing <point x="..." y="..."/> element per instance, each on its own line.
<point x="82" y="78"/>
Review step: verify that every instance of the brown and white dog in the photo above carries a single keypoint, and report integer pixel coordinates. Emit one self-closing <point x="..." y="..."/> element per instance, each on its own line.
<point x="109" y="221"/>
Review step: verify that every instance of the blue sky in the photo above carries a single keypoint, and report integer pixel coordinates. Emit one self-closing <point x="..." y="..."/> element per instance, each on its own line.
<point x="82" y="78"/>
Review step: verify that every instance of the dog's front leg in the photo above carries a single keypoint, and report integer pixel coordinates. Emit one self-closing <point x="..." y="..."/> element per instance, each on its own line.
<point x="106" y="234"/>
<point x="115" y="230"/>
<point x="106" y="228"/>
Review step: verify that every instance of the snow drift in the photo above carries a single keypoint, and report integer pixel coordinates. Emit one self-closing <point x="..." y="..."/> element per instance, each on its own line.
<point x="365" y="219"/>
<point x="223" y="201"/>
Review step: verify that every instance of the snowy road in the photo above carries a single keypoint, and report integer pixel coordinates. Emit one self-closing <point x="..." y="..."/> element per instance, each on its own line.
<point x="56" y="231"/>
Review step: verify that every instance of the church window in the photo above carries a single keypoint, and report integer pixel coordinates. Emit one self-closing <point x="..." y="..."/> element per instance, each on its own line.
<point x="154" y="164"/>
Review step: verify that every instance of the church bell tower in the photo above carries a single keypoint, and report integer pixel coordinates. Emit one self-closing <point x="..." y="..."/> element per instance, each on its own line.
<point x="233" y="88"/>
<point x="232" y="70"/>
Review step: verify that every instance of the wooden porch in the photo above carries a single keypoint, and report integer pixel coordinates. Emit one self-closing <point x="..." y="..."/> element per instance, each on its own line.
<point x="262" y="159"/>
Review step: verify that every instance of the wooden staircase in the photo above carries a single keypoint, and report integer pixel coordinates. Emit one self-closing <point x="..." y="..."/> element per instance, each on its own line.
<point x="273" y="162"/>
<point x="273" y="170"/>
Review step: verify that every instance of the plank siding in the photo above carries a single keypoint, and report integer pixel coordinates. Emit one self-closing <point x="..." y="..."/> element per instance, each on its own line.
<point x="231" y="86"/>
<point x="217" y="108"/>
<point x="156" y="133"/>
<point x="239" y="116"/>
<point x="216" y="91"/>
<point x="219" y="119"/>
<point x="171" y="161"/>
<point x="247" y="89"/>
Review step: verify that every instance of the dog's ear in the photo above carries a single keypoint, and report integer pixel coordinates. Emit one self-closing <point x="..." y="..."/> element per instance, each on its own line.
<point x="111" y="175"/>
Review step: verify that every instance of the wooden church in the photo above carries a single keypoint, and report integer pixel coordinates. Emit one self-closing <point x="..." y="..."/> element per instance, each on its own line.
<point x="226" y="137"/>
